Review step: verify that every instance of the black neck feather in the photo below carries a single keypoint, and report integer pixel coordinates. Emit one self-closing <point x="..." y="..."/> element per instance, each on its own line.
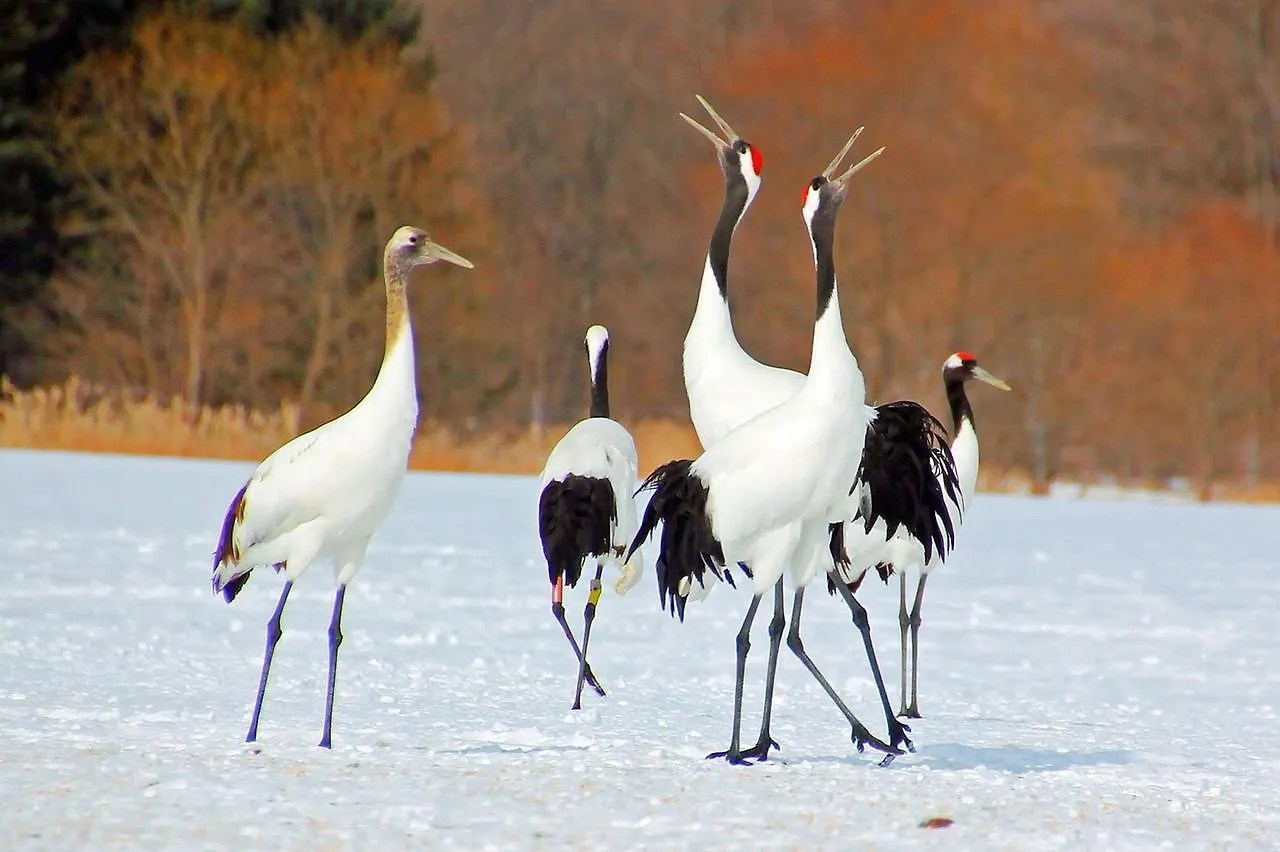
<point x="735" y="203"/>
<point x="823" y="230"/>
<point x="959" y="401"/>
<point x="600" y="385"/>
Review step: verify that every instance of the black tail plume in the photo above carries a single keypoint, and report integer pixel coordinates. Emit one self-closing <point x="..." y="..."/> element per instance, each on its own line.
<point x="909" y="472"/>
<point x="688" y="545"/>
<point x="575" y="520"/>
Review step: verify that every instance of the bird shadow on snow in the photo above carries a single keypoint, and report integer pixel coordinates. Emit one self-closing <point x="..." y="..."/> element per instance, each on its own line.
<point x="1015" y="759"/>
<point x="503" y="748"/>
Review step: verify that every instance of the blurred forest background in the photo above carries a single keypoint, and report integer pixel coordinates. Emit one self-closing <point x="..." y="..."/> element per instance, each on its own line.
<point x="194" y="196"/>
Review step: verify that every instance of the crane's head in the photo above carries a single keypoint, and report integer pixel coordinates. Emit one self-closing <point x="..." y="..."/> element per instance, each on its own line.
<point x="597" y="345"/>
<point x="963" y="367"/>
<point x="410" y="247"/>
<point x="738" y="157"/>
<point x="826" y="192"/>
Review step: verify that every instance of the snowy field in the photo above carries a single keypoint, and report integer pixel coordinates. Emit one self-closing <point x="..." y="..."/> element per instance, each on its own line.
<point x="1094" y="675"/>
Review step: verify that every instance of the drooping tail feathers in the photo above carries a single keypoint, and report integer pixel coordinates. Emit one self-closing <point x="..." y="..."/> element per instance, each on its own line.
<point x="909" y="473"/>
<point x="227" y="551"/>
<point x="688" y="545"/>
<point x="575" y="520"/>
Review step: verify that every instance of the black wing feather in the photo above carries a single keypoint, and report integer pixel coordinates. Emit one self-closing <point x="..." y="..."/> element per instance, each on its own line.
<point x="688" y="547"/>
<point x="908" y="473"/>
<point x="575" y="520"/>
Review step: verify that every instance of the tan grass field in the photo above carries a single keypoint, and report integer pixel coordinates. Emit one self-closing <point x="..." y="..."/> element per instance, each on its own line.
<point x="78" y="417"/>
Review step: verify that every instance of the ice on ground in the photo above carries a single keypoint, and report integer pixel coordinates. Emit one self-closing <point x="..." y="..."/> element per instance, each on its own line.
<point x="1094" y="675"/>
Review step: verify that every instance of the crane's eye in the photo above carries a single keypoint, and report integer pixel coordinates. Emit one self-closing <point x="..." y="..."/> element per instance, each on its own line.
<point x="413" y="239"/>
<point x="817" y="184"/>
<point x="741" y="147"/>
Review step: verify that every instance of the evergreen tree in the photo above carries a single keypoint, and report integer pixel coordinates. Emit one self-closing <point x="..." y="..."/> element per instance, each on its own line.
<point x="39" y="41"/>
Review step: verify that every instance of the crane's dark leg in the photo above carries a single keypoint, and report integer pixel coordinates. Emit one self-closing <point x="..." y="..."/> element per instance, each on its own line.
<point x="734" y="754"/>
<point x="904" y="622"/>
<point x="913" y="709"/>
<point x="897" y="730"/>
<point x="274" y="632"/>
<point x="588" y="616"/>
<point x="335" y="639"/>
<point x="760" y="750"/>
<point x="557" y="609"/>
<point x="861" y="736"/>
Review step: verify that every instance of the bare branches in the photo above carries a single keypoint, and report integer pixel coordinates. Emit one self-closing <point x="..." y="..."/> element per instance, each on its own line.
<point x="240" y="190"/>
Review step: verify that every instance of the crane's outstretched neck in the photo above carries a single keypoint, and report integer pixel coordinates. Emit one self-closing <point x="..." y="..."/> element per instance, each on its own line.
<point x="396" y="377"/>
<point x="737" y="195"/>
<point x="961" y="411"/>
<point x="713" y="297"/>
<point x="600" y="382"/>
<point x="832" y="362"/>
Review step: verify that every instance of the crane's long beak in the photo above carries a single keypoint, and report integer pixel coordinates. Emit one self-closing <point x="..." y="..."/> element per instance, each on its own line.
<point x="856" y="166"/>
<point x="983" y="376"/>
<point x="715" y="140"/>
<point x="441" y="253"/>
<point x="834" y="164"/>
<point x="729" y="133"/>
<point x="842" y="181"/>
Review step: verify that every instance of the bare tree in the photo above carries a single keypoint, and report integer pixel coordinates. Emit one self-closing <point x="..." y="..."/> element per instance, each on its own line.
<point x="161" y="139"/>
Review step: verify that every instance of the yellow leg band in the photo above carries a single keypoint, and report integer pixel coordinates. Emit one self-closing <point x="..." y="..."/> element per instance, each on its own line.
<point x="594" y="596"/>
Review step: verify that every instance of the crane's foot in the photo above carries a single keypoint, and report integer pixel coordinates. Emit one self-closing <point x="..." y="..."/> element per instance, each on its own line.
<point x="593" y="683"/>
<point x="862" y="738"/>
<point x="760" y="751"/>
<point x="898" y="736"/>
<point x="733" y="756"/>
<point x="910" y="712"/>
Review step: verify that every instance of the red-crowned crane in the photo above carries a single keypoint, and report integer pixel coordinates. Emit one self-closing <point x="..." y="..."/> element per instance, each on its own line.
<point x="585" y="508"/>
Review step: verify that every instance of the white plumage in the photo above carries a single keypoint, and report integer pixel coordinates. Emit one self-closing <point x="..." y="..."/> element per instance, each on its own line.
<point x="325" y="493"/>
<point x="901" y="552"/>
<point x="763" y="493"/>
<point x="727" y="387"/>
<point x="600" y="448"/>
<point x="585" y="506"/>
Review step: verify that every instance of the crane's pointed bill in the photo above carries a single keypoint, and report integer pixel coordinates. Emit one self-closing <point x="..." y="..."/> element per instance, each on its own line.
<point x="854" y="168"/>
<point x="983" y="376"/>
<point x="441" y="253"/>
<point x="729" y="133"/>
<point x="716" y="140"/>
<point x="839" y="158"/>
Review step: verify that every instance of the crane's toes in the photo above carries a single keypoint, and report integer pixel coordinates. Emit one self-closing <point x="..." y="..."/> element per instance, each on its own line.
<point x="911" y="712"/>
<point x="862" y="738"/>
<point x="733" y="756"/>
<point x="898" y="738"/>
<point x="592" y="682"/>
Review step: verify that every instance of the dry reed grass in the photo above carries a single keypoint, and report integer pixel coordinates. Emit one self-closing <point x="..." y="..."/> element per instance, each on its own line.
<point x="81" y="417"/>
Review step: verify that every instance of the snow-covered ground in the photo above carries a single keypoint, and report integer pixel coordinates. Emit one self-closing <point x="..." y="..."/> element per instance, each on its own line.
<point x="1095" y="675"/>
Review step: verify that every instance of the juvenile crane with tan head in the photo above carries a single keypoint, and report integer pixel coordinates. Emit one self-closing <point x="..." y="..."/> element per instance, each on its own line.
<point x="323" y="495"/>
